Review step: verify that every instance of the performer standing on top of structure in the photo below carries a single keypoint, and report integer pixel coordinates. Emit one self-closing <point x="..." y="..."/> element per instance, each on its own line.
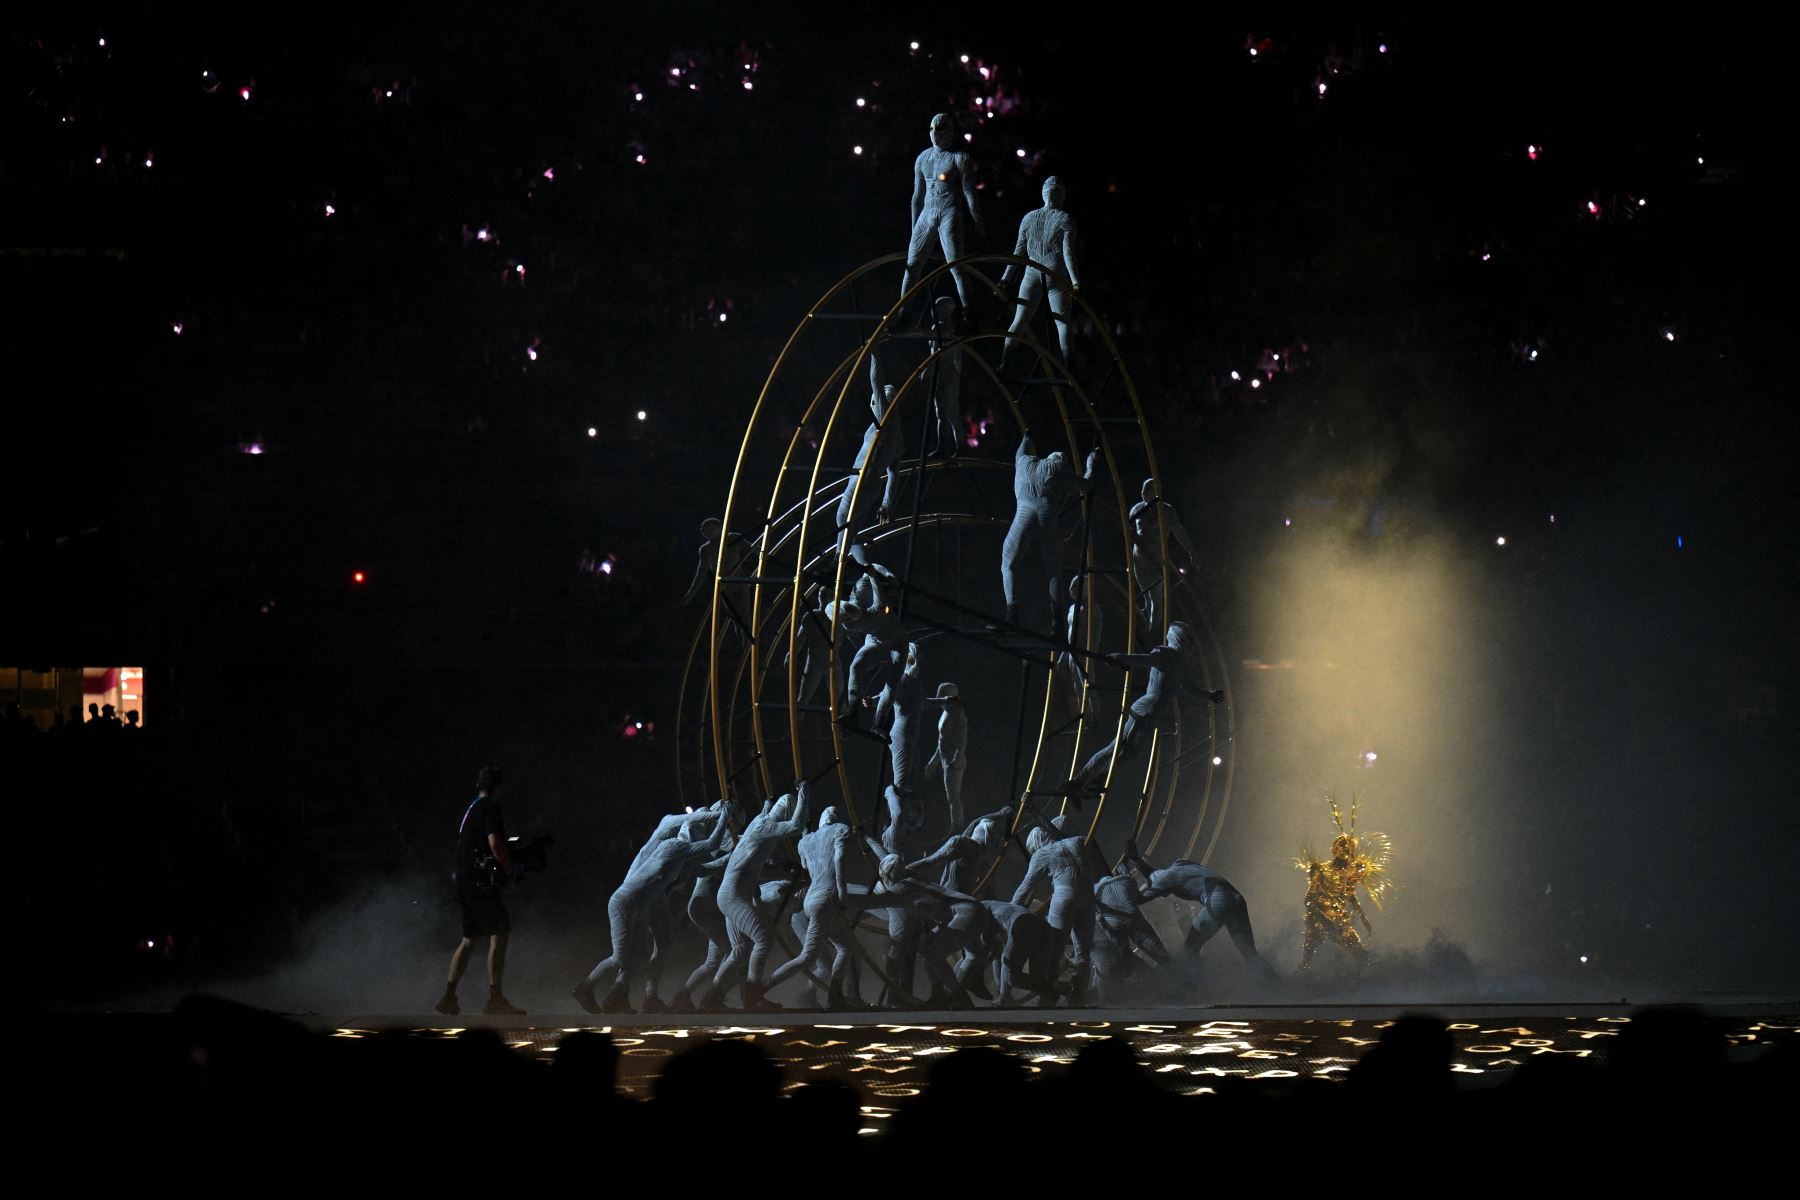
<point x="1047" y="236"/>
<point x="943" y="206"/>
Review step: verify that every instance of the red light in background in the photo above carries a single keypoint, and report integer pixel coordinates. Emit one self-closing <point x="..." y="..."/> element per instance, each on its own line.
<point x="357" y="577"/>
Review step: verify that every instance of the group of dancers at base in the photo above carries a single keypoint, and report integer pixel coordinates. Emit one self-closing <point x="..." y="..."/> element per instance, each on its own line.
<point x="736" y="895"/>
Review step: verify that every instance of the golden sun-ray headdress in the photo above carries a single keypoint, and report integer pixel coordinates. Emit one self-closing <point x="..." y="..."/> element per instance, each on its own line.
<point x="1368" y="853"/>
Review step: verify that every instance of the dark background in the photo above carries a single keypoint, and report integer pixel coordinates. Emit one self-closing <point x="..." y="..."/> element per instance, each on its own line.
<point x="308" y="737"/>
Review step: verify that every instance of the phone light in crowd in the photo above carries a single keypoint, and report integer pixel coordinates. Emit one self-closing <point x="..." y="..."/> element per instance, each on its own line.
<point x="748" y="86"/>
<point x="1020" y="152"/>
<point x="965" y="59"/>
<point x="1381" y="49"/>
<point x="482" y="234"/>
<point x="638" y="96"/>
<point x="1698" y="162"/>
<point x="1321" y="89"/>
<point x="856" y="150"/>
<point x="640" y="160"/>
<point x="1217" y="761"/>
<point x="1236" y="376"/>
<point x="593" y="432"/>
<point x="1642" y="202"/>
<point x="519" y="270"/>
<point x="177" y="327"/>
<point x="331" y="210"/>
<point x="1256" y="383"/>
<point x="914" y="45"/>
<point x="149" y="161"/>
<point x="1678" y="542"/>
<point x="723" y="317"/>
<point x="861" y="103"/>
<point x="244" y="92"/>
<point x="1287" y="522"/>
<point x="642" y="415"/>
<point x="1531" y="152"/>
<point x="1499" y="541"/>
<point x="1368" y="756"/>
<point x="531" y="353"/>
<point x="1584" y="958"/>
<point x="1593" y="207"/>
<point x="254" y="449"/>
<point x="1533" y="354"/>
<point x="550" y="173"/>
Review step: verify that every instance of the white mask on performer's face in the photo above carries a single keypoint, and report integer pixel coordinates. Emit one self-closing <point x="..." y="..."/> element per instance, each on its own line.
<point x="1181" y="635"/>
<point x="828" y="818"/>
<point x="984" y="832"/>
<point x="783" y="809"/>
<point x="943" y="131"/>
<point x="1035" y="841"/>
<point x="1053" y="192"/>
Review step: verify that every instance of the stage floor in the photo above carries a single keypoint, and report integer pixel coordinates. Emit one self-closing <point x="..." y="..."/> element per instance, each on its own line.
<point x="887" y="1055"/>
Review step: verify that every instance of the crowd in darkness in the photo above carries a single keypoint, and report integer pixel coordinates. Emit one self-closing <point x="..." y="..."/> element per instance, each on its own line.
<point x="258" y="1086"/>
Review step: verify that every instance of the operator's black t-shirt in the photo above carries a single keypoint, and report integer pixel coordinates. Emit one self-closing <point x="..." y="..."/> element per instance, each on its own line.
<point x="482" y="819"/>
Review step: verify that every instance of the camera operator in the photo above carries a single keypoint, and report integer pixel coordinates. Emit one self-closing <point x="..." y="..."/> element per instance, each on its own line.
<point x="483" y="876"/>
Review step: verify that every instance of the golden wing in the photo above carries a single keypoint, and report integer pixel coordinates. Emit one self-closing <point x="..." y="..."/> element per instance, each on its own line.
<point x="1376" y="853"/>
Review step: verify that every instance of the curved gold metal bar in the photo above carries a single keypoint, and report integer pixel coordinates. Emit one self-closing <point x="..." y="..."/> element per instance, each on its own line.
<point x="737" y="472"/>
<point x="921" y="287"/>
<point x="767" y="610"/>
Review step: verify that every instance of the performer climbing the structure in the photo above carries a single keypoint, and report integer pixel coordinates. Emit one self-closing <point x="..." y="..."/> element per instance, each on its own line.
<point x="1152" y="518"/>
<point x="1157" y="709"/>
<point x="1033" y="543"/>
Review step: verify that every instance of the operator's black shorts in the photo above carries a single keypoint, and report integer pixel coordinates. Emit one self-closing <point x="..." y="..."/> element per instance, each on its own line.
<point x="483" y="913"/>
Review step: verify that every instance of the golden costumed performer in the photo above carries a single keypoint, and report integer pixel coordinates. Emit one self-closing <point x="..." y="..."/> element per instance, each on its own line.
<point x="1331" y="903"/>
